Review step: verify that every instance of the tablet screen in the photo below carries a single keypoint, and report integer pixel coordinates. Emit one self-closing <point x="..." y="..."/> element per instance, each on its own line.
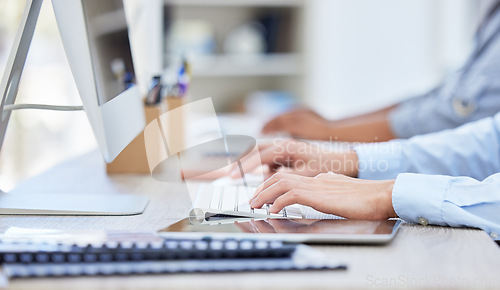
<point x="297" y="230"/>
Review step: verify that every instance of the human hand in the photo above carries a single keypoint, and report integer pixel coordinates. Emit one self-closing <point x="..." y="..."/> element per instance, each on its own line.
<point x="329" y="193"/>
<point x="302" y="123"/>
<point x="292" y="156"/>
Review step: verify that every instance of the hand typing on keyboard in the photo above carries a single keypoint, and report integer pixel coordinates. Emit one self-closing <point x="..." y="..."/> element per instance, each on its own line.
<point x="232" y="201"/>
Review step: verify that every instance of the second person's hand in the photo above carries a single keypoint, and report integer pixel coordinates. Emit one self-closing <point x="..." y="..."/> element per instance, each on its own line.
<point x="302" y="158"/>
<point x="302" y="123"/>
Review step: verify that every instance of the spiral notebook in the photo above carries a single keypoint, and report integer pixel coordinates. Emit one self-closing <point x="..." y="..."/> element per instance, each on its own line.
<point x="123" y="253"/>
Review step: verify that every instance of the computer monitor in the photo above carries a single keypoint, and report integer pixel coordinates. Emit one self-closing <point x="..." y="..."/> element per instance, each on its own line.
<point x="95" y="38"/>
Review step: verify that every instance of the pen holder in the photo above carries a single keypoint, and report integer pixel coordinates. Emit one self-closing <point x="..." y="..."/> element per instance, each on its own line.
<point x="133" y="158"/>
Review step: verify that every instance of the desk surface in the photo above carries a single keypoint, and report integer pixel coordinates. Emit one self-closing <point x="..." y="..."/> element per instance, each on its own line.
<point x="418" y="257"/>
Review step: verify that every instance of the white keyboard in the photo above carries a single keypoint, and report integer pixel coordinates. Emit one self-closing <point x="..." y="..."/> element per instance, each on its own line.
<point x="232" y="201"/>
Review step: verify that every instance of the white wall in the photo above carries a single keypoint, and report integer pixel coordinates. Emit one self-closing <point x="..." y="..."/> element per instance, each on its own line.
<point x="364" y="54"/>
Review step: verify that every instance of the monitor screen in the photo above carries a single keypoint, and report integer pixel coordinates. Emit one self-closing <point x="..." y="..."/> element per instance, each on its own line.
<point x="109" y="47"/>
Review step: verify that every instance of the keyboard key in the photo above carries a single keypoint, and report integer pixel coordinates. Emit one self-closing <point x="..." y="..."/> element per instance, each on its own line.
<point x="293" y="211"/>
<point x="246" y="191"/>
<point x="244" y="207"/>
<point x="204" y="197"/>
<point x="215" y="203"/>
<point x="283" y="211"/>
<point x="229" y="198"/>
<point x="262" y="211"/>
<point x="243" y="198"/>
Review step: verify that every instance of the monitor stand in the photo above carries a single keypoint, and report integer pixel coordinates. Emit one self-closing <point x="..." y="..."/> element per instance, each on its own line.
<point x="49" y="204"/>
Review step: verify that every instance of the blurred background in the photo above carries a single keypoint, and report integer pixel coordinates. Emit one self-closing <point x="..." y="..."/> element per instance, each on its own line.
<point x="251" y="56"/>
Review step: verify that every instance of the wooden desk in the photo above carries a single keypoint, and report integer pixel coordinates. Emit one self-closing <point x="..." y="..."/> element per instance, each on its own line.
<point x="418" y="257"/>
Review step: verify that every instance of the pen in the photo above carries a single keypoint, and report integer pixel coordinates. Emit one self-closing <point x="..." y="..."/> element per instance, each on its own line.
<point x="183" y="78"/>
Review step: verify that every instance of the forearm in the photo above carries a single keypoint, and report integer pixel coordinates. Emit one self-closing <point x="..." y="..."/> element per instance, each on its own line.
<point x="310" y="159"/>
<point x="371" y="127"/>
<point x="341" y="163"/>
<point x="362" y="131"/>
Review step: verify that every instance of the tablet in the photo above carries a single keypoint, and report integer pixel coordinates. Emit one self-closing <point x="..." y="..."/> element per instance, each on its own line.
<point x="338" y="231"/>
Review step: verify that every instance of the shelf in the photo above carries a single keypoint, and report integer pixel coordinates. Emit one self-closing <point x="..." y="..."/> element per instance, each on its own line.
<point x="287" y="64"/>
<point x="237" y="3"/>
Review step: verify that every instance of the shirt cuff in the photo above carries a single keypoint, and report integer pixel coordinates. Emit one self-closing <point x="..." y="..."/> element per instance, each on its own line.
<point x="378" y="161"/>
<point x="418" y="198"/>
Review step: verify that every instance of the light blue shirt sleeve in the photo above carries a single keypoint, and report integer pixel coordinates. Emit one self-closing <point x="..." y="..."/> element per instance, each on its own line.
<point x="469" y="95"/>
<point x="446" y="178"/>
<point x="449" y="201"/>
